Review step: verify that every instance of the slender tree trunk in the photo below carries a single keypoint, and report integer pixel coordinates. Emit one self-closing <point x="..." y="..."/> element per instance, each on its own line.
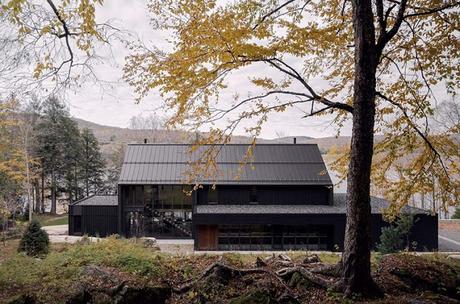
<point x="28" y="183"/>
<point x="42" y="203"/>
<point x="53" y="193"/>
<point x="356" y="268"/>
<point x="37" y="196"/>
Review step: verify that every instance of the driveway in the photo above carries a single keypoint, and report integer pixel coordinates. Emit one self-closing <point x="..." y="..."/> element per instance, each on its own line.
<point x="449" y="240"/>
<point x="449" y="235"/>
<point x="57" y="230"/>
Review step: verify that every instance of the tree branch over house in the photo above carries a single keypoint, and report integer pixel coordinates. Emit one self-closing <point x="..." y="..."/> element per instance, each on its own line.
<point x="395" y="50"/>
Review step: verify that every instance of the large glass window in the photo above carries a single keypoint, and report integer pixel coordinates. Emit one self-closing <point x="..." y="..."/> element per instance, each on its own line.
<point x="166" y="211"/>
<point x="267" y="237"/>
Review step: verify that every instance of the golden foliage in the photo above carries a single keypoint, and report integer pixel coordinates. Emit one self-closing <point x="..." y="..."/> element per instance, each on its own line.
<point x="54" y="36"/>
<point x="301" y="41"/>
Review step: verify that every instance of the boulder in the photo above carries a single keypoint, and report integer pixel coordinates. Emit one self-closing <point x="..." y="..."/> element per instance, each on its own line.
<point x="146" y="294"/>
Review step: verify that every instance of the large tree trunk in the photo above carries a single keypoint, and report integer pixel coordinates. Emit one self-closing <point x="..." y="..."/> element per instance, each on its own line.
<point x="356" y="269"/>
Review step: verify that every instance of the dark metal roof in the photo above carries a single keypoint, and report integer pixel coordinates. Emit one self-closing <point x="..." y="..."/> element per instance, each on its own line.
<point x="339" y="207"/>
<point x="98" y="200"/>
<point x="272" y="164"/>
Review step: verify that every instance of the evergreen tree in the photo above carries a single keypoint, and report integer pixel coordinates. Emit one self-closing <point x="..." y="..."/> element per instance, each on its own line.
<point x="456" y="215"/>
<point x="73" y="157"/>
<point x="396" y="237"/>
<point x="35" y="240"/>
<point x="92" y="164"/>
<point x="51" y="144"/>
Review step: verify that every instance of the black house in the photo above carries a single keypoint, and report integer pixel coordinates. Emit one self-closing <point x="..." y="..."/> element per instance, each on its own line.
<point x="282" y="199"/>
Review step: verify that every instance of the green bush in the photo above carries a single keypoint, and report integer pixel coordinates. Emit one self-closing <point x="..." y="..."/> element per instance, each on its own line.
<point x="395" y="238"/>
<point x="35" y="240"/>
<point x="456" y="215"/>
<point x="390" y="240"/>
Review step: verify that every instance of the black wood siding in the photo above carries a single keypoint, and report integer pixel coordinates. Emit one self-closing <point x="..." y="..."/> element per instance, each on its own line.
<point x="95" y="220"/>
<point x="268" y="195"/>
<point x="424" y="232"/>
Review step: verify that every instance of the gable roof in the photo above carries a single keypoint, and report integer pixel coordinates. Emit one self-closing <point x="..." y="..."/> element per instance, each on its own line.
<point x="273" y="164"/>
<point x="98" y="200"/>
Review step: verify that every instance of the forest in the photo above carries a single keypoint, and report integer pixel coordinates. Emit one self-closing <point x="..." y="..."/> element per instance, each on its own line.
<point x="46" y="159"/>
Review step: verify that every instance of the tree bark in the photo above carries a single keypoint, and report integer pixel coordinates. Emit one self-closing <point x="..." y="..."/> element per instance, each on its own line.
<point x="42" y="202"/>
<point x="356" y="270"/>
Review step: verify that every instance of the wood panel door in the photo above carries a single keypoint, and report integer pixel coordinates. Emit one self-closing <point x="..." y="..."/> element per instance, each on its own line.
<point x="207" y="237"/>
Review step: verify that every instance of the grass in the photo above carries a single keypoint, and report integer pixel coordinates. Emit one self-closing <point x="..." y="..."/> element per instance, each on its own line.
<point x="51" y="220"/>
<point x="54" y="276"/>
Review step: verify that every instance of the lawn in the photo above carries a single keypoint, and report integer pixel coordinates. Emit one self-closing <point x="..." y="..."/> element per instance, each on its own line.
<point x="51" y="220"/>
<point x="103" y="268"/>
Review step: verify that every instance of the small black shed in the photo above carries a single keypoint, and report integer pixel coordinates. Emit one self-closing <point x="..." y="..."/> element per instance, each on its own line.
<point x="95" y="215"/>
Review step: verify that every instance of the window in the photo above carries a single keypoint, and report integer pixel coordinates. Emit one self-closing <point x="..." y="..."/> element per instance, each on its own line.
<point x="253" y="199"/>
<point x="213" y="196"/>
<point x="139" y="196"/>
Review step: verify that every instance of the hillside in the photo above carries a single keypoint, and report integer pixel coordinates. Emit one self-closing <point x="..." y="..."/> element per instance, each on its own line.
<point x="111" y="137"/>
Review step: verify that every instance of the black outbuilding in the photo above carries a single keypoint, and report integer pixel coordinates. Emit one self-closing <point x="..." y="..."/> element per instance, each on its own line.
<point x="95" y="215"/>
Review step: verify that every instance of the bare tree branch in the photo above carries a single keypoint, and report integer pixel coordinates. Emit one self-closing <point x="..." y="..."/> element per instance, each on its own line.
<point x="289" y="70"/>
<point x="66" y="34"/>
<point x="274" y="11"/>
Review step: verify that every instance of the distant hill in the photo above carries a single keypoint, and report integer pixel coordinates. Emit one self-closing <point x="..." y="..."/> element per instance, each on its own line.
<point x="111" y="137"/>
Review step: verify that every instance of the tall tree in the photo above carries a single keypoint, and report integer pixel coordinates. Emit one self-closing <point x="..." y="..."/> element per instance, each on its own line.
<point x="379" y="62"/>
<point x="27" y="117"/>
<point x="58" y="147"/>
<point x="73" y="156"/>
<point x="92" y="163"/>
<point x="12" y="164"/>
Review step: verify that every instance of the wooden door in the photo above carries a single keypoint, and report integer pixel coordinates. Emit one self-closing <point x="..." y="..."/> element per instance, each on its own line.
<point x="207" y="237"/>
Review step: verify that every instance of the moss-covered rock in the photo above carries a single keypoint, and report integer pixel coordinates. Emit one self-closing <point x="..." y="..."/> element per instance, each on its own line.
<point x="144" y="294"/>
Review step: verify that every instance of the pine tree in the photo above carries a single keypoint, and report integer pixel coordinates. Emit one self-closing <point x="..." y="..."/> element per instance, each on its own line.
<point x="59" y="149"/>
<point x="35" y="240"/>
<point x="51" y="144"/>
<point x="92" y="164"/>
<point x="72" y="157"/>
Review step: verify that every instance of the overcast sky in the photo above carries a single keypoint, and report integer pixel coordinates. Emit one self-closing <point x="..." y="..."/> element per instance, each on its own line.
<point x="115" y="106"/>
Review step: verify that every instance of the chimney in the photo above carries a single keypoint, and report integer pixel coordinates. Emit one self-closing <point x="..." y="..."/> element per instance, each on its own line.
<point x="145" y="140"/>
<point x="295" y="140"/>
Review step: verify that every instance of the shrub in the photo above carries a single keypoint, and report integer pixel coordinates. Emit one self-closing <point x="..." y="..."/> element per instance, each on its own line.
<point x="395" y="238"/>
<point x="34" y="241"/>
<point x="390" y="240"/>
<point x="456" y="215"/>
